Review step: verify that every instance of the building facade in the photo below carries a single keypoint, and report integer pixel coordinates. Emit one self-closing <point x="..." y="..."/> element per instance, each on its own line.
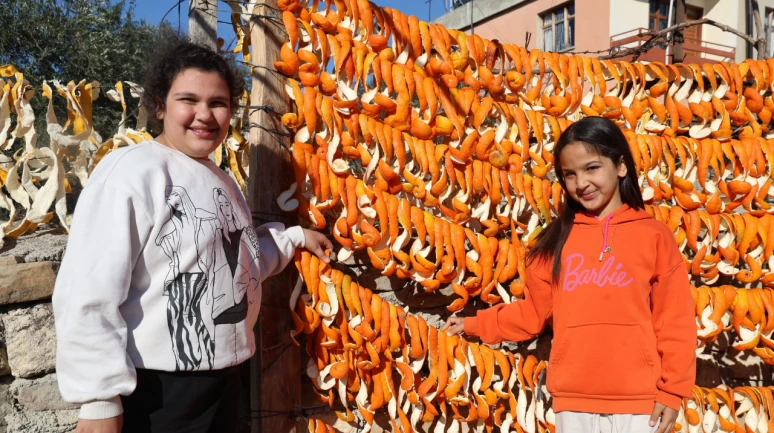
<point x="592" y="25"/>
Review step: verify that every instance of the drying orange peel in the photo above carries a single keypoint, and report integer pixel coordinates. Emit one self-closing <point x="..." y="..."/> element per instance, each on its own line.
<point x="35" y="179"/>
<point x="371" y="355"/>
<point x="724" y="246"/>
<point x="377" y="357"/>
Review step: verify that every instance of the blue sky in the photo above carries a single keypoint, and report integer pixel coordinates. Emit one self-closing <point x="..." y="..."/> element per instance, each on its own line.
<point x="154" y="10"/>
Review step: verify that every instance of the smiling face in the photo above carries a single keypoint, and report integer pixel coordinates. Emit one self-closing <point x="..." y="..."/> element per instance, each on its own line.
<point x="196" y="113"/>
<point x="591" y="179"/>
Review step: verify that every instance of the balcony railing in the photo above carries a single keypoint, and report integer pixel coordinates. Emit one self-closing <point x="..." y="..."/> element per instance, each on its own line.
<point x="695" y="51"/>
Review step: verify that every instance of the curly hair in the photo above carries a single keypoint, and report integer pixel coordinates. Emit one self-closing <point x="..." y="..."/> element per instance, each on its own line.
<point x="175" y="59"/>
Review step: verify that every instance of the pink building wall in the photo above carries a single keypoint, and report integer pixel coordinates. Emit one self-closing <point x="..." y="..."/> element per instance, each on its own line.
<point x="592" y="24"/>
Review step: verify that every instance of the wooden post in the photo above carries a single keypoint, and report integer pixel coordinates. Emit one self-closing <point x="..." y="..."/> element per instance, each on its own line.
<point x="677" y="47"/>
<point x="203" y="23"/>
<point x="277" y="384"/>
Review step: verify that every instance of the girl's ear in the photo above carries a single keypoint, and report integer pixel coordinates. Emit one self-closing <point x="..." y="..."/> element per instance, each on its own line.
<point x="622" y="170"/>
<point x="160" y="109"/>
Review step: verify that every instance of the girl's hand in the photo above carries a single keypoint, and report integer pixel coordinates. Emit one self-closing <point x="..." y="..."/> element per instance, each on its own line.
<point x="454" y="325"/>
<point x="668" y="418"/>
<point x="317" y="243"/>
<point x="108" y="425"/>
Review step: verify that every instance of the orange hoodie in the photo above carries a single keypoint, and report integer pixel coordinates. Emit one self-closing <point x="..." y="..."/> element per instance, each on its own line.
<point x="623" y="317"/>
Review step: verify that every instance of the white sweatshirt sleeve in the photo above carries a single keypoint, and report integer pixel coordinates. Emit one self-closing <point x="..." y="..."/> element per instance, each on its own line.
<point x="277" y="247"/>
<point x="107" y="235"/>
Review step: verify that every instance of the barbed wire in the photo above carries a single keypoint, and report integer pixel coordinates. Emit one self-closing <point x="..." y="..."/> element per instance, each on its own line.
<point x="170" y="10"/>
<point x="300" y="412"/>
<point x="267" y="6"/>
<point x="267" y="108"/>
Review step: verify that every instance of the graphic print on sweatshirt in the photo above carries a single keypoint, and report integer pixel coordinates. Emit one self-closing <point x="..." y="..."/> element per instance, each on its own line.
<point x="608" y="272"/>
<point x="212" y="278"/>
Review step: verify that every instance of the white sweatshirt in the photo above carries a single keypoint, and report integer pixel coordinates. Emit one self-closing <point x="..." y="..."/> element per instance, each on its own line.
<point x="162" y="271"/>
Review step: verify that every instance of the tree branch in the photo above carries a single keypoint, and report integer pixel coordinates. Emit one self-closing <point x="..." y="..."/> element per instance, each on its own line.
<point x="760" y="43"/>
<point x="664" y="34"/>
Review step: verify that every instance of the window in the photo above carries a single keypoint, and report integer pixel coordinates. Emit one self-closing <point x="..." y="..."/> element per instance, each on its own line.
<point x="658" y="15"/>
<point x="559" y="28"/>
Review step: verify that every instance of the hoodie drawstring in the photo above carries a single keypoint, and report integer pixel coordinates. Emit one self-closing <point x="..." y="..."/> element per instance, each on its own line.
<point x="606" y="248"/>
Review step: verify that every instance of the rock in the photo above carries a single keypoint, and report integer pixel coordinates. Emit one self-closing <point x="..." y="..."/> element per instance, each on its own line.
<point x="31" y="340"/>
<point x="6" y="401"/>
<point x="415" y="297"/>
<point x="38" y="246"/>
<point x="39" y="394"/>
<point x="386" y="284"/>
<point x="62" y="421"/>
<point x="745" y="368"/>
<point x="24" y="282"/>
<point x="708" y="372"/>
<point x="434" y="320"/>
<point x="10" y="260"/>
<point x="5" y="368"/>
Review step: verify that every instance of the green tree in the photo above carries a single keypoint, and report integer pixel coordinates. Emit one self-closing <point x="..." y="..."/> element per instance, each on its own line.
<point x="95" y="40"/>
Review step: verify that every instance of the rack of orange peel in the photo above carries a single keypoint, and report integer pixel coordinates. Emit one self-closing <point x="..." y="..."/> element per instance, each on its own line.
<point x="430" y="150"/>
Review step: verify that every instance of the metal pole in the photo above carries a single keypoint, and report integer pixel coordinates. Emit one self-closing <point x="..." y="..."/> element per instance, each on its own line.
<point x="470" y="9"/>
<point x="670" y="24"/>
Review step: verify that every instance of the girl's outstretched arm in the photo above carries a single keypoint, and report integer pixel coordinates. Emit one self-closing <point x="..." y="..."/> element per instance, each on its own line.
<point x="520" y="320"/>
<point x="277" y="246"/>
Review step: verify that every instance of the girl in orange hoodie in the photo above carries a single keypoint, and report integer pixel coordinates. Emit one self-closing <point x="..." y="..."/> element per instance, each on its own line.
<point x="615" y="284"/>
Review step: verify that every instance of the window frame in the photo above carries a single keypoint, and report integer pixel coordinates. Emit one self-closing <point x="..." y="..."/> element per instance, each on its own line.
<point x="657" y="17"/>
<point x="567" y="18"/>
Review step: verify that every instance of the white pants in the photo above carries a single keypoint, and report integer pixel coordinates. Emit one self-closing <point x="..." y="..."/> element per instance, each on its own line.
<point x="582" y="422"/>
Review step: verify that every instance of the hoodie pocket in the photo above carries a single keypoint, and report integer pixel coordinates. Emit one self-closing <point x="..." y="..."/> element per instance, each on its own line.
<point x="602" y="360"/>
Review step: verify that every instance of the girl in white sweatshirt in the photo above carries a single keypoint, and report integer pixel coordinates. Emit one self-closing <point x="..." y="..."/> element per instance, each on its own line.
<point x="160" y="287"/>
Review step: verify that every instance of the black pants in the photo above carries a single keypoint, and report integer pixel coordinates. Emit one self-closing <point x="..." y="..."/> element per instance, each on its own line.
<point x="184" y="402"/>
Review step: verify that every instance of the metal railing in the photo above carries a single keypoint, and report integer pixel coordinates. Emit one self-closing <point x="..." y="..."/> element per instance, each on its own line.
<point x="695" y="50"/>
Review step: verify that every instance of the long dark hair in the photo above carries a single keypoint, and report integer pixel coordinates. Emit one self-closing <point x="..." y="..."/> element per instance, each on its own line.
<point x="602" y="137"/>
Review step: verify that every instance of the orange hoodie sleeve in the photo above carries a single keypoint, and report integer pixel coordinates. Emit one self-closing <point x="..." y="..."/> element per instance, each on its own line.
<point x="520" y="320"/>
<point x="673" y="323"/>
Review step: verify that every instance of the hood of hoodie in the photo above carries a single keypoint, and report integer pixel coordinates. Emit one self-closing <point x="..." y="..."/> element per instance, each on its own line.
<point x="623" y="214"/>
<point x="620" y="216"/>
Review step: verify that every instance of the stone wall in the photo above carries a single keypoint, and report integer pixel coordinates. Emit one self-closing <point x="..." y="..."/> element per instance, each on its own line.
<point x="29" y="396"/>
